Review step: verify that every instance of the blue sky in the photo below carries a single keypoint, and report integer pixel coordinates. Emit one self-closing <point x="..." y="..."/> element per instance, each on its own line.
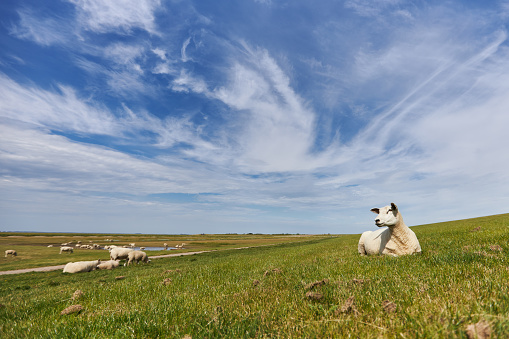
<point x="250" y="116"/>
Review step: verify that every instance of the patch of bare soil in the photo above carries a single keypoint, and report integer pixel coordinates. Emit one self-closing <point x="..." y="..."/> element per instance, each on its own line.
<point x="314" y="296"/>
<point x="72" y="309"/>
<point x="481" y="330"/>
<point x="348" y="307"/>
<point x="317" y="283"/>
<point x="389" y="306"/>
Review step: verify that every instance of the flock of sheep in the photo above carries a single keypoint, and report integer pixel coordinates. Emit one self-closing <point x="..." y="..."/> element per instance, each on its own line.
<point x="117" y="253"/>
<point x="395" y="240"/>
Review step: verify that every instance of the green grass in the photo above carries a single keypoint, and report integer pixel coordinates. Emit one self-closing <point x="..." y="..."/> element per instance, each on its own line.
<point x="460" y="278"/>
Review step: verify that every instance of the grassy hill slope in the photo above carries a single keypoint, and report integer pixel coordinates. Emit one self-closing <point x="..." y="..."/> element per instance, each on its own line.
<point x="318" y="288"/>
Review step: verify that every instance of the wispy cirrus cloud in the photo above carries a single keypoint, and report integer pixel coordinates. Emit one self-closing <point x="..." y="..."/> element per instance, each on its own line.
<point x="44" y="31"/>
<point x="64" y="111"/>
<point x="276" y="128"/>
<point x="61" y="110"/>
<point x="102" y="16"/>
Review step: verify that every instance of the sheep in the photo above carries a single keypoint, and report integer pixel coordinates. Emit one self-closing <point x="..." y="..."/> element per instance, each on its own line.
<point x="165" y="246"/>
<point x="119" y="253"/>
<point x="66" y="249"/>
<point x="81" y="266"/>
<point x="397" y="239"/>
<point x="11" y="252"/>
<point x="137" y="256"/>
<point x="50" y="245"/>
<point x="108" y="265"/>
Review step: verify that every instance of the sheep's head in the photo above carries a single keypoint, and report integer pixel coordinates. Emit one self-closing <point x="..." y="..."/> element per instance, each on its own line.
<point x="387" y="216"/>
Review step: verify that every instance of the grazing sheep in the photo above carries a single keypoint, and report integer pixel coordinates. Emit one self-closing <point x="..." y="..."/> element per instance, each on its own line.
<point x="396" y="239"/>
<point x="81" y="266"/>
<point x="66" y="249"/>
<point x="108" y="265"/>
<point x="50" y="245"/>
<point x="137" y="256"/>
<point x="165" y="246"/>
<point x="119" y="253"/>
<point x="11" y="252"/>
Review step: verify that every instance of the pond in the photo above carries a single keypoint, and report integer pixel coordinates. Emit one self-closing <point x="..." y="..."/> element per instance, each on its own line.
<point x="154" y="248"/>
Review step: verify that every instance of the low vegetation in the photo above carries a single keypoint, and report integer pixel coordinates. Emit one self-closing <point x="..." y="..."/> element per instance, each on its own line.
<point x="315" y="288"/>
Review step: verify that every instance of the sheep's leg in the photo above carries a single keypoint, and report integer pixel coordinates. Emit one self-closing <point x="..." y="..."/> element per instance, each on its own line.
<point x="360" y="248"/>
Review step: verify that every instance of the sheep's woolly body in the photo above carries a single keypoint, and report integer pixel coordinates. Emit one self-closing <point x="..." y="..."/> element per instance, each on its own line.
<point x="10" y="252"/>
<point x="119" y="253"/>
<point x="66" y="249"/>
<point x="81" y="266"/>
<point x="396" y="239"/>
<point x="108" y="265"/>
<point x="137" y="256"/>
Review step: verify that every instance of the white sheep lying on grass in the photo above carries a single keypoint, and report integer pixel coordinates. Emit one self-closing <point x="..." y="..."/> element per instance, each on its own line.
<point x="137" y="256"/>
<point x="81" y="266"/>
<point x="11" y="252"/>
<point x="66" y="249"/>
<point x="119" y="253"/>
<point x="396" y="239"/>
<point x="108" y="265"/>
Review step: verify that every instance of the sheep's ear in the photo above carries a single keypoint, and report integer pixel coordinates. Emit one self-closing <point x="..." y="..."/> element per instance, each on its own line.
<point x="394" y="208"/>
<point x="375" y="210"/>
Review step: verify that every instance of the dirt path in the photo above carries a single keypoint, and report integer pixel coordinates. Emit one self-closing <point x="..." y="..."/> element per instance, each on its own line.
<point x="60" y="267"/>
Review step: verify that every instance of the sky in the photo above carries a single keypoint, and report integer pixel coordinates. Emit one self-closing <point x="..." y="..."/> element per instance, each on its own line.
<point x="253" y="116"/>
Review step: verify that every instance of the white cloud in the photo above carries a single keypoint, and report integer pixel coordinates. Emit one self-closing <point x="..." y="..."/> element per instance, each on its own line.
<point x="186" y="82"/>
<point x="124" y="54"/>
<point x="124" y="78"/>
<point x="371" y="8"/>
<point x="64" y="111"/>
<point x="163" y="68"/>
<point x="160" y="53"/>
<point x="43" y="31"/>
<point x="103" y="16"/>
<point x="276" y="128"/>
<point x="183" y="50"/>
<point x="60" y="111"/>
